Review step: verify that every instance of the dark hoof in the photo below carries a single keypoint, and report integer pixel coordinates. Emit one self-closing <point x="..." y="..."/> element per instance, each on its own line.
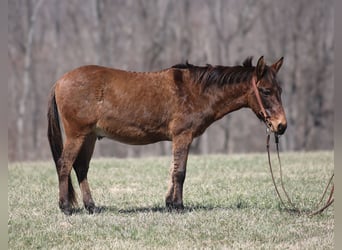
<point x="66" y="209"/>
<point x="91" y="208"/>
<point x="175" y="206"/>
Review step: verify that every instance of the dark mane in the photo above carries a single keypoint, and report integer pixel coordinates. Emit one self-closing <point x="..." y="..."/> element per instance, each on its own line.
<point x="185" y="65"/>
<point x="219" y="75"/>
<point x="248" y="62"/>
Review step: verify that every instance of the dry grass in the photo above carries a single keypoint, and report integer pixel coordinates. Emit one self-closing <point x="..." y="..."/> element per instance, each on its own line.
<point x="230" y="203"/>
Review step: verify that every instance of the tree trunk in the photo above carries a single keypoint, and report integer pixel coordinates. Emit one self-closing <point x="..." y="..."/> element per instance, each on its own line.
<point x="27" y="78"/>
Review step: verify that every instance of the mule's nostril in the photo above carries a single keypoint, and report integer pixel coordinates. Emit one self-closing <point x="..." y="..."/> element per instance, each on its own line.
<point x="281" y="128"/>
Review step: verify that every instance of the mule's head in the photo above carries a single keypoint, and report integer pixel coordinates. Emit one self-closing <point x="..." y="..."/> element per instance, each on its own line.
<point x="270" y="95"/>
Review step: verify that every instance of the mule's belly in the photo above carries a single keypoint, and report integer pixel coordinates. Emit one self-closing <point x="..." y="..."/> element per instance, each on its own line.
<point x="129" y="134"/>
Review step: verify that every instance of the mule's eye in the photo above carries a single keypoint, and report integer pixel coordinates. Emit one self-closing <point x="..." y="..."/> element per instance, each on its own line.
<point x="265" y="92"/>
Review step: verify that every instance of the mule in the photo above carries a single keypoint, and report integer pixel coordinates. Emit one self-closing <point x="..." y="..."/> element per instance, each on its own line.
<point x="175" y="104"/>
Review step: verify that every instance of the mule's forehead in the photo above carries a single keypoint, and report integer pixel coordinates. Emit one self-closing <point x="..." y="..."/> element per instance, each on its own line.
<point x="270" y="78"/>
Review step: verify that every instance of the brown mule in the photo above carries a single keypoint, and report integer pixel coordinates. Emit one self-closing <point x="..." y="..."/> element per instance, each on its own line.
<point x="175" y="104"/>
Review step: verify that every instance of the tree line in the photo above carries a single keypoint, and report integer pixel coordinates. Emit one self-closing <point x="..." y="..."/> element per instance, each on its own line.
<point x="47" y="38"/>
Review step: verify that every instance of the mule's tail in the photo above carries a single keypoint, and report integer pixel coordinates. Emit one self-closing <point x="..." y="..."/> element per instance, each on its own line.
<point x="56" y="141"/>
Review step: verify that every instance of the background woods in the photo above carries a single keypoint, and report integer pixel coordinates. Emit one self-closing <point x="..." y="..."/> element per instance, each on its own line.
<point x="48" y="38"/>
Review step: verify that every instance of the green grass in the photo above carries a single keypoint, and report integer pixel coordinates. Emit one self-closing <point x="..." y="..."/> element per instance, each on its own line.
<point x="230" y="203"/>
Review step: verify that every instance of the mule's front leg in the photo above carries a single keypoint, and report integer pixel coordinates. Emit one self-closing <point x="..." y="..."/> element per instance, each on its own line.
<point x="180" y="150"/>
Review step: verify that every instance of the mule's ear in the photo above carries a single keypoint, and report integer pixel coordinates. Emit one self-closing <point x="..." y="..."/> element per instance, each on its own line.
<point x="260" y="68"/>
<point x="276" y="66"/>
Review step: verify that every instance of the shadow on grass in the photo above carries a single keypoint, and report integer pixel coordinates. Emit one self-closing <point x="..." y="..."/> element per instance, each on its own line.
<point x="186" y="209"/>
<point x="154" y="209"/>
<point x="239" y="205"/>
<point x="164" y="209"/>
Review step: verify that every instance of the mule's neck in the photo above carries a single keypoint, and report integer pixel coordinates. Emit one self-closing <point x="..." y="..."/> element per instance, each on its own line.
<point x="212" y="99"/>
<point x="229" y="98"/>
<point x="221" y="89"/>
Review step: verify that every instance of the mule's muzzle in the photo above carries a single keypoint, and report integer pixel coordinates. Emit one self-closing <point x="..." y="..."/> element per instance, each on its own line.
<point x="277" y="126"/>
<point x="281" y="128"/>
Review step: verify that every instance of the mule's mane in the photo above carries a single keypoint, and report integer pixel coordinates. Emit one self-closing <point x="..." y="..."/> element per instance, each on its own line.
<point x="219" y="75"/>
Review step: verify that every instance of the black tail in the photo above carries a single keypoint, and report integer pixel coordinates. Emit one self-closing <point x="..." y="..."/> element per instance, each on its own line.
<point x="56" y="140"/>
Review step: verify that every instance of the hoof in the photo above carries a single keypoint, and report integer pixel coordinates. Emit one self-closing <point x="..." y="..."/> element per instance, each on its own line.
<point x="67" y="212"/>
<point x="174" y="206"/>
<point x="66" y="209"/>
<point x="91" y="208"/>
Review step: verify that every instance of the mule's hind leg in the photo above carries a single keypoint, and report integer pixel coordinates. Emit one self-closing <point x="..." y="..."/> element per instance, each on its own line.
<point x="81" y="166"/>
<point x="66" y="191"/>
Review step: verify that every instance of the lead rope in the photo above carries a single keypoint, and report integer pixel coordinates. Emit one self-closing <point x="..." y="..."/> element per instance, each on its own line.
<point x="291" y="206"/>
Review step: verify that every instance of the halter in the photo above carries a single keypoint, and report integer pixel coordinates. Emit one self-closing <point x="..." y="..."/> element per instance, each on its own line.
<point x="262" y="112"/>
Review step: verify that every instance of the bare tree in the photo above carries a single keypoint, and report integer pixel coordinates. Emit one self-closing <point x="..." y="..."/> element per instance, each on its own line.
<point x="227" y="32"/>
<point x="32" y="11"/>
<point x="303" y="40"/>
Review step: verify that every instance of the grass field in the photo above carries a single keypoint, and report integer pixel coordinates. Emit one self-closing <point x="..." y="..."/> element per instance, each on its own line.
<point x="230" y="204"/>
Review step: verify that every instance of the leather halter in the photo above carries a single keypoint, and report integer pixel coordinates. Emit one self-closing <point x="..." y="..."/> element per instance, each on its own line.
<point x="262" y="112"/>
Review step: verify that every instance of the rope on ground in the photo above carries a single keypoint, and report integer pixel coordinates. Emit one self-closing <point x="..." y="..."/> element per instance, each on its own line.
<point x="291" y="206"/>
